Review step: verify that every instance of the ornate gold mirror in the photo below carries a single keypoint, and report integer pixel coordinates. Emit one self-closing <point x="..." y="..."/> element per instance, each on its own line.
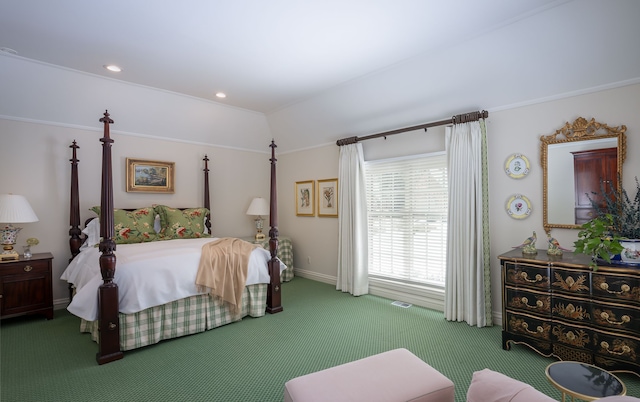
<point x="576" y="159"/>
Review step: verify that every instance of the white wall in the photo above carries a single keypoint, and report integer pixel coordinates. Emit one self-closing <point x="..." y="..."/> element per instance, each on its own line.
<point x="515" y="130"/>
<point x="34" y="159"/>
<point x="315" y="239"/>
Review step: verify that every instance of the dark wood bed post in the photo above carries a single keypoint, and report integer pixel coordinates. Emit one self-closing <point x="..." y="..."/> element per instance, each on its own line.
<point x="75" y="242"/>
<point x="74" y="214"/>
<point x="274" y="304"/>
<point x="207" y="204"/>
<point x="109" y="324"/>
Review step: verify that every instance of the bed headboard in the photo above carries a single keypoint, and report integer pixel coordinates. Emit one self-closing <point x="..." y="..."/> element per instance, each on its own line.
<point x="77" y="238"/>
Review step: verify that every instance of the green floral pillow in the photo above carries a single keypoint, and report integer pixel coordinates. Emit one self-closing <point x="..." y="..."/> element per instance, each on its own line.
<point x="132" y="226"/>
<point x="181" y="223"/>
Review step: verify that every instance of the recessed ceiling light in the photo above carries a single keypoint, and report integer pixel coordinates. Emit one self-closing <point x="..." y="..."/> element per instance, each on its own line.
<point x="221" y="95"/>
<point x="113" y="68"/>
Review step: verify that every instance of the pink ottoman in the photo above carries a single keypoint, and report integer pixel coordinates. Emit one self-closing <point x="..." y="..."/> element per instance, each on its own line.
<point x="396" y="375"/>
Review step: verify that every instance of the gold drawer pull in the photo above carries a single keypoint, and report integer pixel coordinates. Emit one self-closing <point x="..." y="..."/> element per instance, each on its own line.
<point x="623" y="320"/>
<point x="623" y="289"/>
<point x="27" y="268"/>
<point x="539" y="303"/>
<point x="619" y="350"/>
<point x="539" y="328"/>
<point x="525" y="277"/>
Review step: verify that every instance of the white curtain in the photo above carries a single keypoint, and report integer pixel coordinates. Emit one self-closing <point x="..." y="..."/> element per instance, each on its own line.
<point x="467" y="284"/>
<point x="352" y="222"/>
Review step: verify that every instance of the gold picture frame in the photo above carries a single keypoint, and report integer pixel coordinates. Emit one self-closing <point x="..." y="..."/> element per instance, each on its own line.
<point x="304" y="198"/>
<point x="328" y="198"/>
<point x="148" y="176"/>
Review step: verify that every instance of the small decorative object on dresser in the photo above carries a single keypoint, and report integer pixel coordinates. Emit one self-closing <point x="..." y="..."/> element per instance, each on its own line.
<point x="562" y="308"/>
<point x="528" y="246"/>
<point x="26" y="287"/>
<point x="31" y="241"/>
<point x="554" y="247"/>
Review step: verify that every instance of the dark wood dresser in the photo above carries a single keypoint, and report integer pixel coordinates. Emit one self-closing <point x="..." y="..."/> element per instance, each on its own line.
<point x="25" y="286"/>
<point x="560" y="307"/>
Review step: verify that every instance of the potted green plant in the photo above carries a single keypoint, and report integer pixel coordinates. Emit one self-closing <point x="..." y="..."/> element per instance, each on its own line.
<point x="614" y="234"/>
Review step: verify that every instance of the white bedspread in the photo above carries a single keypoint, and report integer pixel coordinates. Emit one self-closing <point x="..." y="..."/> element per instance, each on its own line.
<point x="148" y="274"/>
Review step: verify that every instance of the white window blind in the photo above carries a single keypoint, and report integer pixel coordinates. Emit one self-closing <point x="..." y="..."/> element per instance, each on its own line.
<point x="407" y="202"/>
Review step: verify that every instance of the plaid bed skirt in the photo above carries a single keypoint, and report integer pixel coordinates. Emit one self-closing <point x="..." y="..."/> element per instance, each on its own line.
<point x="285" y="254"/>
<point x="181" y="317"/>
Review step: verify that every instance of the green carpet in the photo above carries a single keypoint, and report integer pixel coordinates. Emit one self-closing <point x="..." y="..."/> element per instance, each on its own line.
<point x="252" y="359"/>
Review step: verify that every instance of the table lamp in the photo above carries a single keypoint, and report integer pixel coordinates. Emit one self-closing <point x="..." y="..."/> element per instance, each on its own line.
<point x="258" y="208"/>
<point x="13" y="209"/>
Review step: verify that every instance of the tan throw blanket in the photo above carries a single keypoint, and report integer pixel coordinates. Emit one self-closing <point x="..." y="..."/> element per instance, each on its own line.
<point x="223" y="270"/>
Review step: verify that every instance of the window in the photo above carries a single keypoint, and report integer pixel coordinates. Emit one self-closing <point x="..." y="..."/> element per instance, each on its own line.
<point x="407" y="203"/>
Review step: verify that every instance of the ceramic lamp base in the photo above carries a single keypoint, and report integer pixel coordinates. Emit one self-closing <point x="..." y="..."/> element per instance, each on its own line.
<point x="9" y="255"/>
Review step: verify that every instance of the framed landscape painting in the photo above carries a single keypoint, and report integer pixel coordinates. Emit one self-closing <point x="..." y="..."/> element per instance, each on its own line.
<point x="304" y="198"/>
<point x="150" y="176"/>
<point x="328" y="198"/>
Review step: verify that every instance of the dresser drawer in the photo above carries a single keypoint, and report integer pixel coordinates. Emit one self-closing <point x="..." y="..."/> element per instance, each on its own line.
<point x="522" y="274"/>
<point x="616" y="316"/>
<point x="617" y="287"/>
<point x="573" y="310"/>
<point x="572" y="336"/>
<point x="570" y="282"/>
<point x="25" y="268"/>
<point x="529" y="301"/>
<point x="530" y="326"/>
<point x="609" y="345"/>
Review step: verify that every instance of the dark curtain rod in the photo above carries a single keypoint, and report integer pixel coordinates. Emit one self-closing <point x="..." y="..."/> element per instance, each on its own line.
<point x="460" y="118"/>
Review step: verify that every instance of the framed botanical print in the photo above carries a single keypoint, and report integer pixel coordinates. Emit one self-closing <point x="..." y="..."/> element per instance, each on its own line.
<point x="150" y="176"/>
<point x="328" y="197"/>
<point x="304" y="198"/>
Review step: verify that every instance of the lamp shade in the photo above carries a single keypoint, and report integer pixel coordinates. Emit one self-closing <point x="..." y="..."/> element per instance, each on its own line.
<point x="16" y="209"/>
<point x="259" y="207"/>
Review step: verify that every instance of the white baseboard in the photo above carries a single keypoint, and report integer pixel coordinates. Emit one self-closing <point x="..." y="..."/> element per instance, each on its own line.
<point x="331" y="280"/>
<point x="60" y="304"/>
<point x="427" y="298"/>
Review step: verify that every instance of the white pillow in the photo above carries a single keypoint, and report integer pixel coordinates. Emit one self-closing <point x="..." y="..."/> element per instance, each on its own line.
<point x="93" y="234"/>
<point x="156" y="224"/>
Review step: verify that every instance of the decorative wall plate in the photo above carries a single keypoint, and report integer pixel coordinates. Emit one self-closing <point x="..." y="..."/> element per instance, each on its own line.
<point x="517" y="166"/>
<point x="519" y="206"/>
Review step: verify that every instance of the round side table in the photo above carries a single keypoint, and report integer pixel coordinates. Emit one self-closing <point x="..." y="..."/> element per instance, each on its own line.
<point x="583" y="381"/>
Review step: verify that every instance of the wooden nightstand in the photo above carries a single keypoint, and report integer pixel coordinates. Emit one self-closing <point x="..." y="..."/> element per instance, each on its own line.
<point x="25" y="286"/>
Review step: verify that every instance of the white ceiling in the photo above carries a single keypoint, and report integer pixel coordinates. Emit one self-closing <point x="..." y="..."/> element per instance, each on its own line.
<point x="313" y="71"/>
<point x="265" y="55"/>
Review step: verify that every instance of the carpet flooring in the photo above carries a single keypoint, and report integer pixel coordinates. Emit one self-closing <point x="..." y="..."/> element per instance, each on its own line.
<point x="252" y="359"/>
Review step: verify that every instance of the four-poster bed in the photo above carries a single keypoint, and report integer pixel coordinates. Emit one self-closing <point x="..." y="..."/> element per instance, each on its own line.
<point x="113" y="322"/>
